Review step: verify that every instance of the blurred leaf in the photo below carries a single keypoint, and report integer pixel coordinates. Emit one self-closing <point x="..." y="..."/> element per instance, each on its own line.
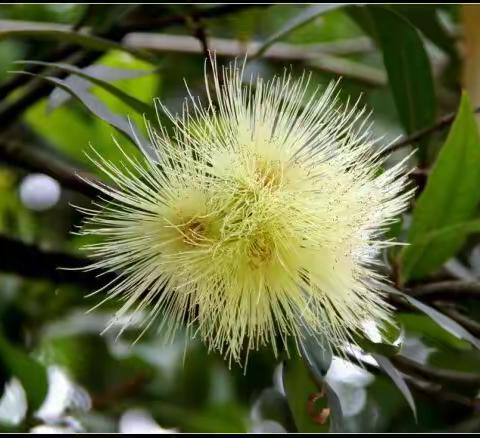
<point x="132" y="102"/>
<point x="429" y="333"/>
<point x="97" y="108"/>
<point x="444" y="321"/>
<point x="304" y="17"/>
<point x="449" y="199"/>
<point x="300" y="388"/>
<point x="58" y="96"/>
<point x="363" y="18"/>
<point x="377" y="347"/>
<point x="425" y="18"/>
<point x="224" y="418"/>
<point x="387" y="366"/>
<point x="408" y="68"/>
<point x="273" y="405"/>
<point x="89" y="362"/>
<point x="15" y="362"/>
<point x="49" y="31"/>
<point x="317" y="354"/>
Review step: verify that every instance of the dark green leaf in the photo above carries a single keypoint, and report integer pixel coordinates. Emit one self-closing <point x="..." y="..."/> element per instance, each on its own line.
<point x="317" y="355"/>
<point x="304" y="17"/>
<point x="442" y="320"/>
<point x="300" y="387"/>
<point x="97" y="108"/>
<point x="408" y="68"/>
<point x="15" y="362"/>
<point x="58" y="96"/>
<point x="387" y="366"/>
<point x="272" y="405"/>
<point x="139" y="106"/>
<point x="377" y="347"/>
<point x="426" y="19"/>
<point x="441" y="218"/>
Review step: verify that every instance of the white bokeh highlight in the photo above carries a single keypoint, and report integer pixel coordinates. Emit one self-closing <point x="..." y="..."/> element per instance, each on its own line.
<point x="39" y="192"/>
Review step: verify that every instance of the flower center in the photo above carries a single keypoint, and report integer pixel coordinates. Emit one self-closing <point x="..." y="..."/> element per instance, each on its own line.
<point x="269" y="173"/>
<point x="260" y="251"/>
<point x="193" y="232"/>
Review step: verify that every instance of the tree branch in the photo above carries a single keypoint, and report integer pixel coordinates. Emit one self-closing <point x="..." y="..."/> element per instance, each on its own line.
<point x="157" y="22"/>
<point x="441" y="123"/>
<point x="451" y="288"/>
<point x="31" y="262"/>
<point x="14" y="152"/>
<point x="441" y="375"/>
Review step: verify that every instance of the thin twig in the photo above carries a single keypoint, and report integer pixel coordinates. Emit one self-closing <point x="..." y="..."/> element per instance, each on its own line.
<point x="450" y="310"/>
<point x="441" y="123"/>
<point x="120" y="391"/>
<point x="436" y="374"/>
<point x="159" y="21"/>
<point x="451" y="288"/>
<point x="200" y="33"/>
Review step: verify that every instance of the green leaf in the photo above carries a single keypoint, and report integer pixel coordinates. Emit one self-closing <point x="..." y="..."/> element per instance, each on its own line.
<point x="97" y="108"/>
<point x="443" y="212"/>
<point x="15" y="362"/>
<point x="300" y="387"/>
<point x="303" y="18"/>
<point x="408" y="68"/>
<point x="426" y="19"/>
<point x="36" y="31"/>
<point x="58" y="96"/>
<point x="134" y="103"/>
<point x="377" y="347"/>
<point x="317" y="354"/>
<point x="387" y="366"/>
<point x="442" y="320"/>
<point x="273" y="405"/>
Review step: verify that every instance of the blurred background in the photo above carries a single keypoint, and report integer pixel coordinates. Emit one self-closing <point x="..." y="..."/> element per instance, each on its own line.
<point x="73" y="75"/>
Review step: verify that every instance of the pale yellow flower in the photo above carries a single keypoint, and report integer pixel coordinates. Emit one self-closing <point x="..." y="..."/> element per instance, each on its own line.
<point x="260" y="219"/>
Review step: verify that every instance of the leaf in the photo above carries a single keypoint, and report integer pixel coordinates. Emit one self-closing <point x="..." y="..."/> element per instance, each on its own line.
<point x="441" y="218"/>
<point x="273" y="405"/>
<point x="408" y="68"/>
<point x="32" y="375"/>
<point x="58" y="96"/>
<point x="303" y="18"/>
<point x="387" y="366"/>
<point x="97" y="108"/>
<point x="317" y="354"/>
<point x="134" y="103"/>
<point x="426" y="19"/>
<point x="442" y="320"/>
<point x="377" y="347"/>
<point x="16" y="29"/>
<point x="300" y="387"/>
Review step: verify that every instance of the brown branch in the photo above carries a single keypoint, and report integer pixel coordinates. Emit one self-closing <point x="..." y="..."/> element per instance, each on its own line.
<point x="120" y="391"/>
<point x="436" y="374"/>
<point x="451" y="288"/>
<point x="318" y="57"/>
<point x="14" y="152"/>
<point x="440" y="124"/>
<point x="158" y="21"/>
<point x="29" y="261"/>
<point x="199" y="32"/>
<point x="432" y="389"/>
<point x="450" y="310"/>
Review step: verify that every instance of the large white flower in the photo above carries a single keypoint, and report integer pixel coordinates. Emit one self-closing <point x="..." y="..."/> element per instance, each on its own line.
<point x="261" y="217"/>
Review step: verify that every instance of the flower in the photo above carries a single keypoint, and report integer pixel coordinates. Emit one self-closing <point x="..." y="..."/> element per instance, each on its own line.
<point x="260" y="218"/>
